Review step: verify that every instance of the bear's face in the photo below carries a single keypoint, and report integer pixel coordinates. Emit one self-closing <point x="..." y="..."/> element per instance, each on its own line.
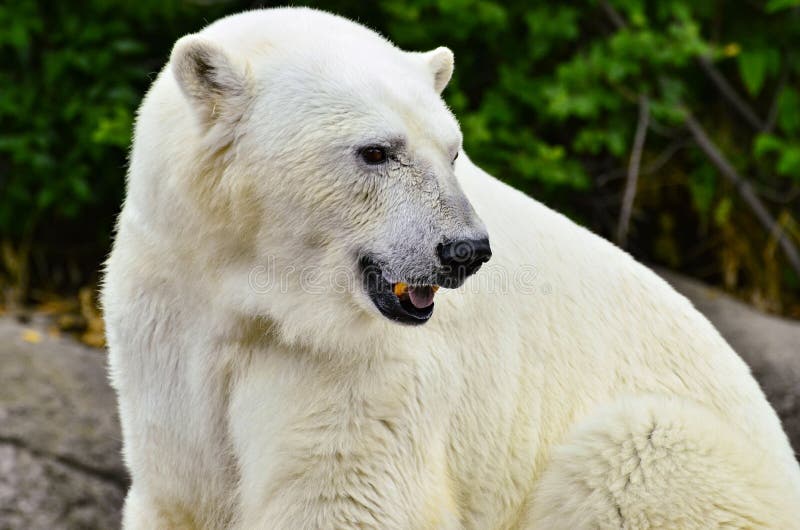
<point x="350" y="166"/>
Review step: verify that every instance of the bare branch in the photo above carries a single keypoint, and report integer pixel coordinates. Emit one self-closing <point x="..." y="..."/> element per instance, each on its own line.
<point x="613" y="15"/>
<point x="633" y="171"/>
<point x="730" y="93"/>
<point x="743" y="187"/>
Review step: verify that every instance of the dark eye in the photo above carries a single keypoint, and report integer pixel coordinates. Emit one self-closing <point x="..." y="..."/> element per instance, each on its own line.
<point x="454" y="158"/>
<point x="374" y="155"/>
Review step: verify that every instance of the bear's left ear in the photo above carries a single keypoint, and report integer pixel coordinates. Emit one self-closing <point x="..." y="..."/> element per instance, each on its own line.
<point x="440" y="63"/>
<point x="210" y="79"/>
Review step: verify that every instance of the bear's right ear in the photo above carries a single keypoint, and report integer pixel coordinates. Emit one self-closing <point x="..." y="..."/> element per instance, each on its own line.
<point x="440" y="65"/>
<point x="208" y="77"/>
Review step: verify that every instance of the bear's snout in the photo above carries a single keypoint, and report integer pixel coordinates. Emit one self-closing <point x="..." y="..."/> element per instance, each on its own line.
<point x="462" y="258"/>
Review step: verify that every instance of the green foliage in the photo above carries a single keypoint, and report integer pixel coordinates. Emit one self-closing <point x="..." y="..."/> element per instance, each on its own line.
<point x="546" y="93"/>
<point x="71" y="81"/>
<point x="774" y="6"/>
<point x="755" y="65"/>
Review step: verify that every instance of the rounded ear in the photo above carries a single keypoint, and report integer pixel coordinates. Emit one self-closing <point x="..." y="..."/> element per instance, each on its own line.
<point x="440" y="62"/>
<point x="208" y="77"/>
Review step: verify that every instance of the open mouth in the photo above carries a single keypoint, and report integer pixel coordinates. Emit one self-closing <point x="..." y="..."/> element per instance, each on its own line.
<point x="398" y="301"/>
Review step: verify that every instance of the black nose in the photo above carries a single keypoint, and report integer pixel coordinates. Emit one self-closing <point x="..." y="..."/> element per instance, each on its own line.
<point x="461" y="258"/>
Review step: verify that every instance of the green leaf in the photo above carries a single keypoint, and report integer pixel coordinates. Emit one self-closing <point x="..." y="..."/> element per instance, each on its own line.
<point x="114" y="129"/>
<point x="753" y="70"/>
<point x="722" y="212"/>
<point x="789" y="111"/>
<point x="789" y="162"/>
<point x="703" y="187"/>
<point x="766" y="143"/>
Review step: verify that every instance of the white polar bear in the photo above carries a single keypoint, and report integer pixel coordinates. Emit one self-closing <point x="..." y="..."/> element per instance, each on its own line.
<point x="294" y="200"/>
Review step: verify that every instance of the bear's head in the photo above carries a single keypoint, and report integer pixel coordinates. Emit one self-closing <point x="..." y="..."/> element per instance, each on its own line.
<point x="331" y="151"/>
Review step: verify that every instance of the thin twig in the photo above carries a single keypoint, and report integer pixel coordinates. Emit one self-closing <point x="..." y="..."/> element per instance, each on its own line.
<point x="654" y="166"/>
<point x="779" y="197"/>
<point x="633" y="171"/>
<point x="613" y="15"/>
<point x="665" y="156"/>
<point x="743" y="187"/>
<point x="663" y="130"/>
<point x="729" y="93"/>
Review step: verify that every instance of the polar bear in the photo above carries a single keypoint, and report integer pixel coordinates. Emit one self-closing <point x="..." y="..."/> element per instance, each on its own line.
<point x="297" y="194"/>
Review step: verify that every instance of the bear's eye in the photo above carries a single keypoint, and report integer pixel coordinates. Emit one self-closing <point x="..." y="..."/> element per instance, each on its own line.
<point x="374" y="155"/>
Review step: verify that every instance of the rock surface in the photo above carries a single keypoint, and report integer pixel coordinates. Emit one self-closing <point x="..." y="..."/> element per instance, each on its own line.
<point x="59" y="435"/>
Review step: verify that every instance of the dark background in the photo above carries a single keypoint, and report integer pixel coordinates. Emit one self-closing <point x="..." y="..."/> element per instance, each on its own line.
<point x="550" y="95"/>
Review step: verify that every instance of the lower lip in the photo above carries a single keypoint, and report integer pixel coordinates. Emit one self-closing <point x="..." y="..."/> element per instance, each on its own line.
<point x="383" y="297"/>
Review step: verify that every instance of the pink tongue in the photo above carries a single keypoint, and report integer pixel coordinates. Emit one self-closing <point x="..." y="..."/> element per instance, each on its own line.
<point x="421" y="297"/>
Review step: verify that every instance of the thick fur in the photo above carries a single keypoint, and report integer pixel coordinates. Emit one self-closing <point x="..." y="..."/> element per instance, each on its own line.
<point x="563" y="386"/>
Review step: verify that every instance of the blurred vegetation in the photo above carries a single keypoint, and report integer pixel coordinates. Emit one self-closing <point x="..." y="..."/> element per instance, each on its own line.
<point x="682" y="118"/>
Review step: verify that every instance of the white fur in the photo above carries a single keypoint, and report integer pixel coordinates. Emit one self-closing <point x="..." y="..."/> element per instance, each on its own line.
<point x="563" y="386"/>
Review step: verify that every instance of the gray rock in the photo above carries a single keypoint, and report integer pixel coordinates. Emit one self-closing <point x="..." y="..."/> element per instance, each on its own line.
<point x="60" y="465"/>
<point x="37" y="491"/>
